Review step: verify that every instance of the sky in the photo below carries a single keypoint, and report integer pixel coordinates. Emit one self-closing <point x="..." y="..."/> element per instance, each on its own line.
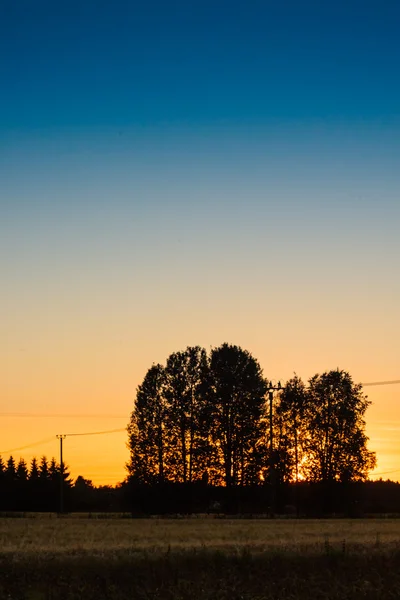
<point x="193" y="173"/>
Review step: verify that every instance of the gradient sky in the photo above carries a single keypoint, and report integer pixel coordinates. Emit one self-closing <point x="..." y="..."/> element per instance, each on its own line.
<point x="181" y="173"/>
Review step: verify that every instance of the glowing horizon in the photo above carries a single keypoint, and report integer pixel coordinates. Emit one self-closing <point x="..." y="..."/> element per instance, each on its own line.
<point x="107" y="471"/>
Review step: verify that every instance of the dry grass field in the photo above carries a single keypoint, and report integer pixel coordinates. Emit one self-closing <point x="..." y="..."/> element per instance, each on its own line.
<point x="99" y="536"/>
<point x="57" y="558"/>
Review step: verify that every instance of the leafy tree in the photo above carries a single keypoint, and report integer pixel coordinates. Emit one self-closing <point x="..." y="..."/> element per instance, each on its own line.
<point x="83" y="493"/>
<point x="336" y="446"/>
<point x="187" y="412"/>
<point x="237" y="390"/>
<point x="146" y="429"/>
<point x="290" y="430"/>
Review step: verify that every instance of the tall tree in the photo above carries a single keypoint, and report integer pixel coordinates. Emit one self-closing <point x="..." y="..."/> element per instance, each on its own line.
<point x="35" y="486"/>
<point x="146" y="430"/>
<point x="187" y="409"/>
<point x="44" y="469"/>
<point x="54" y="470"/>
<point x="34" y="470"/>
<point x="22" y="470"/>
<point x="3" y="484"/>
<point x="237" y="389"/>
<point x="10" y="471"/>
<point x="336" y="446"/>
<point x="290" y="429"/>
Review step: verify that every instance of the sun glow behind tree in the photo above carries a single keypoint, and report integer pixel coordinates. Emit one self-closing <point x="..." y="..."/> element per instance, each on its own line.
<point x="205" y="418"/>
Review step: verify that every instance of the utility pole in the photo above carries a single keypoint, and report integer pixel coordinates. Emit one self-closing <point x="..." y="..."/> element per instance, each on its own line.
<point x="296" y="456"/>
<point x="271" y="390"/>
<point x="61" y="437"/>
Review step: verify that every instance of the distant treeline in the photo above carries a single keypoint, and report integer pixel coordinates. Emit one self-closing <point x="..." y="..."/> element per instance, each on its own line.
<point x="37" y="489"/>
<point x="214" y="418"/>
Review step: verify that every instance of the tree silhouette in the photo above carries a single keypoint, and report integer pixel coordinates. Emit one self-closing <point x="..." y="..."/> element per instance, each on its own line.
<point x="203" y="420"/>
<point x="21" y="472"/>
<point x="34" y="486"/>
<point x="84" y="493"/>
<point x="290" y="429"/>
<point x="336" y="446"/>
<point x="187" y="410"/>
<point x="237" y="389"/>
<point x="44" y="469"/>
<point x="10" y="471"/>
<point x="54" y="471"/>
<point x="34" y="470"/>
<point x="146" y="429"/>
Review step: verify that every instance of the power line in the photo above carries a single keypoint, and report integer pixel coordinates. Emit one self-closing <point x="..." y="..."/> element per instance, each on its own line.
<point x="45" y="441"/>
<point x="387" y="472"/>
<point x="60" y="416"/>
<point x="382" y="382"/>
<point x="97" y="432"/>
<point x="61" y="437"/>
<point x="50" y="439"/>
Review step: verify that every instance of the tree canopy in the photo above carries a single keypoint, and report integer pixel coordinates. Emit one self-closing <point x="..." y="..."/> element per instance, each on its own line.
<point x="204" y="417"/>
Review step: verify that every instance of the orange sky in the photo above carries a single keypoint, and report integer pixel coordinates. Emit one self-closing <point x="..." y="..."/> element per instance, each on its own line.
<point x="96" y="394"/>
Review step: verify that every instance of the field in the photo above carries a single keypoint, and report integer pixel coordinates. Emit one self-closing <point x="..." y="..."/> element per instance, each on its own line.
<point x="74" y="558"/>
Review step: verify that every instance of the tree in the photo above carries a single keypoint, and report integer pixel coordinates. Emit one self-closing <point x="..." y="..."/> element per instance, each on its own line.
<point x="336" y="446"/>
<point x="34" y="470"/>
<point x="54" y="470"/>
<point x="34" y="486"/>
<point x="290" y="430"/>
<point x="10" y="471"/>
<point x="54" y="473"/>
<point x="3" y="484"/>
<point x="237" y="390"/>
<point x="83" y="493"/>
<point x="44" y="474"/>
<point x="146" y="429"/>
<point x="81" y="482"/>
<point x="187" y="412"/>
<point x="21" y="471"/>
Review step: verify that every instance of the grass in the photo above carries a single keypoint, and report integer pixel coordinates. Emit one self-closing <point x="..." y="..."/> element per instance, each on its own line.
<point x="198" y="559"/>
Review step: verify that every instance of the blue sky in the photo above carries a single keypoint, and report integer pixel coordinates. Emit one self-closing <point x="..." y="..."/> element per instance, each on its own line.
<point x="103" y="64"/>
<point x="165" y="133"/>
